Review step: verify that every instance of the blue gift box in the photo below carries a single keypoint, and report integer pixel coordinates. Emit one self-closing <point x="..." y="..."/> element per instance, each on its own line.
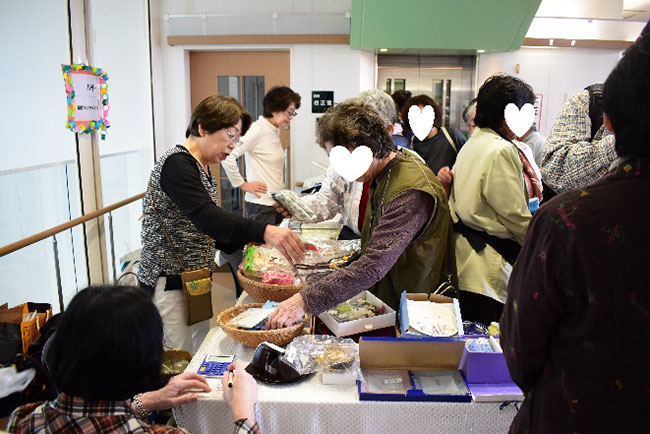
<point x="419" y="354"/>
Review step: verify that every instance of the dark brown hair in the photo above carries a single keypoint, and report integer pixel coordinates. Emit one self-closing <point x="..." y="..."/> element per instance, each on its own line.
<point x="278" y="99"/>
<point x="425" y="101"/>
<point x="215" y="113"/>
<point x="352" y="124"/>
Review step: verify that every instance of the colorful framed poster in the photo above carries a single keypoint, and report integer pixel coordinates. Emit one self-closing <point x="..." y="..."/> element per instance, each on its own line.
<point x="87" y="96"/>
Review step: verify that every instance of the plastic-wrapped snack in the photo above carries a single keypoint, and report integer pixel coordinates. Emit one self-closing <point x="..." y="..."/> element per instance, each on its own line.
<point x="296" y="207"/>
<point x="279" y="278"/>
<point x="260" y="260"/>
<point x="336" y="358"/>
<point x="325" y="251"/>
<point x="355" y="308"/>
<point x="309" y="353"/>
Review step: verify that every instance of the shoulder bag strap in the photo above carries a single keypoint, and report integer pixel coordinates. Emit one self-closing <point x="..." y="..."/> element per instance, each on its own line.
<point x="162" y="225"/>
<point x="451" y="142"/>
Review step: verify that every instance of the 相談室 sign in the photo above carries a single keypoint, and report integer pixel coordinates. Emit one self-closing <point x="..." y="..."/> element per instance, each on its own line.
<point x="321" y="100"/>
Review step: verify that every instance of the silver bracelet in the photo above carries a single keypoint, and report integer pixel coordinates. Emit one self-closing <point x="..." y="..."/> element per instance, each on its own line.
<point x="137" y="402"/>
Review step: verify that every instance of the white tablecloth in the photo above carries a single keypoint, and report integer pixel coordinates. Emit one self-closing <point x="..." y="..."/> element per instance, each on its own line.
<point x="311" y="407"/>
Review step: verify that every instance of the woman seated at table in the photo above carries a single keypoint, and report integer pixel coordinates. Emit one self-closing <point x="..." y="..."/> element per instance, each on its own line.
<point x="106" y="360"/>
<point x="407" y="225"/>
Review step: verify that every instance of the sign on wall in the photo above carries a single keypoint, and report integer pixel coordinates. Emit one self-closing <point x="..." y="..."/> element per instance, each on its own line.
<point x="87" y="98"/>
<point x="539" y="98"/>
<point x="321" y="100"/>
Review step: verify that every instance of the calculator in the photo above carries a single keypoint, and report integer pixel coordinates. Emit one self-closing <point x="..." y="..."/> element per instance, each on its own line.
<point x="215" y="365"/>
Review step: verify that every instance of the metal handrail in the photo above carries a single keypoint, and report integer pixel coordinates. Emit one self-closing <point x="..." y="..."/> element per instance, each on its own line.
<point x="10" y="248"/>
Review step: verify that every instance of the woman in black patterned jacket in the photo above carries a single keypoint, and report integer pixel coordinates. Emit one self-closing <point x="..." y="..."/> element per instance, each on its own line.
<point x="184" y="193"/>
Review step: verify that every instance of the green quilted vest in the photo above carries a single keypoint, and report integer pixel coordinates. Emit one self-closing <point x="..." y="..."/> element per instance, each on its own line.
<point x="423" y="266"/>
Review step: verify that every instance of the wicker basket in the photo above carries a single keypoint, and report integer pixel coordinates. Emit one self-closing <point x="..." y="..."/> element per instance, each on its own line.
<point x="267" y="291"/>
<point x="252" y="338"/>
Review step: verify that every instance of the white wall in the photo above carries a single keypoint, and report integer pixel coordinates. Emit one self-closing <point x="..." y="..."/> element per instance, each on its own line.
<point x="556" y="73"/>
<point x="33" y="110"/>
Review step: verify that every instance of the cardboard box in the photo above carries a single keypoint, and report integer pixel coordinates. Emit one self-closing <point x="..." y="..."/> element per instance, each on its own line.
<point x="361" y="325"/>
<point x="419" y="354"/>
<point x="404" y="318"/>
<point x="488" y="378"/>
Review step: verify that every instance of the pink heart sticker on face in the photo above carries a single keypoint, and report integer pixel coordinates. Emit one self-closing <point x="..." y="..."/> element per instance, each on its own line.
<point x="421" y="121"/>
<point x="519" y="121"/>
<point x="350" y="165"/>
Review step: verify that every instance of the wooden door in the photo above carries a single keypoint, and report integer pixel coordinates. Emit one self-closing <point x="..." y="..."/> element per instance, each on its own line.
<point x="246" y="76"/>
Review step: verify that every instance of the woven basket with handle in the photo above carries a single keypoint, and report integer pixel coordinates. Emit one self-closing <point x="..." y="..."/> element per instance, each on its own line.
<point x="267" y="291"/>
<point x="252" y="338"/>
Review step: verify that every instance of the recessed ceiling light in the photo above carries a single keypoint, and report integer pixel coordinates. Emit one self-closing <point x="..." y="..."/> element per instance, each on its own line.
<point x="480" y="51"/>
<point x="551" y="41"/>
<point x="383" y="50"/>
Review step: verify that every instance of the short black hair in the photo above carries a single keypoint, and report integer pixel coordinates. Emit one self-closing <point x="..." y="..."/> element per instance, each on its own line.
<point x="495" y="94"/>
<point x="217" y="112"/>
<point x="626" y="100"/>
<point x="424" y="100"/>
<point x="400" y="97"/>
<point x="352" y="124"/>
<point x="278" y="99"/>
<point x="108" y="345"/>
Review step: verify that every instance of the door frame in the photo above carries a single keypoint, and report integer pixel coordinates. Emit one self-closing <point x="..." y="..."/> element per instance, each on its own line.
<point x="236" y="47"/>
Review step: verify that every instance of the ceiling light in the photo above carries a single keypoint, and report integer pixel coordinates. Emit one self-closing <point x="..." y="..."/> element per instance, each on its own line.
<point x="480" y="51"/>
<point x="383" y="50"/>
<point x="551" y="41"/>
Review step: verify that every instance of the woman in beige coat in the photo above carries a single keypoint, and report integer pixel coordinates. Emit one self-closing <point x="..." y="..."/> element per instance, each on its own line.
<point x="489" y="202"/>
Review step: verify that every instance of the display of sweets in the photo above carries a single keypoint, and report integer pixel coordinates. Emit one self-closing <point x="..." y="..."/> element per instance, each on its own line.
<point x="355" y="308"/>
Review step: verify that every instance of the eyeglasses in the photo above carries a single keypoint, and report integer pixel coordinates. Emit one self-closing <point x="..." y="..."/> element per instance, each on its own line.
<point x="292" y="114"/>
<point x="232" y="137"/>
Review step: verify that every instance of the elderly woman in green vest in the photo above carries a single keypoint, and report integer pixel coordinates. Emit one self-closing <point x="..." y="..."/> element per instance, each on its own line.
<point x="407" y="226"/>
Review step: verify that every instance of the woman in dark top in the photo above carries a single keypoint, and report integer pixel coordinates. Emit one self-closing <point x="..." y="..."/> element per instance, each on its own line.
<point x="576" y="324"/>
<point x="183" y="226"/>
<point x="440" y="147"/>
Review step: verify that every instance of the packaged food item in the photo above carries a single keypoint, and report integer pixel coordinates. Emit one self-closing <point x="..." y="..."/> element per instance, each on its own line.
<point x="279" y="278"/>
<point x="296" y="207"/>
<point x="355" y="308"/>
<point x="336" y="358"/>
<point x="326" y="256"/>
<point x="263" y="259"/>
<point x="311" y="353"/>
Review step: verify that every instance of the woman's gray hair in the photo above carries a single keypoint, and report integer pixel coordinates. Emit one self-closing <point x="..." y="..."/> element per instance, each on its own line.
<point x="469" y="111"/>
<point x="381" y="102"/>
<point x="353" y="124"/>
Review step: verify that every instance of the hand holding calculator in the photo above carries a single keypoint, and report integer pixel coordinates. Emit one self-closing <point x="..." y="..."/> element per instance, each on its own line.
<point x="215" y="365"/>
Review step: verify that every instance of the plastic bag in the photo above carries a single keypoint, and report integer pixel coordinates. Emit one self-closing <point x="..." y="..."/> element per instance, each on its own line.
<point x="260" y="260"/>
<point x="12" y="381"/>
<point x="296" y="207"/>
<point x="311" y="353"/>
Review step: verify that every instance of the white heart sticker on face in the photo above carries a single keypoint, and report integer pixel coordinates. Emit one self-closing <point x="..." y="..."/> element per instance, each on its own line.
<point x="519" y="121"/>
<point x="350" y="165"/>
<point x="421" y="121"/>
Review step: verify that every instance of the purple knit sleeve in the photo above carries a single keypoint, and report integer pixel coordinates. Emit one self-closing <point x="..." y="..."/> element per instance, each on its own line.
<point x="401" y="222"/>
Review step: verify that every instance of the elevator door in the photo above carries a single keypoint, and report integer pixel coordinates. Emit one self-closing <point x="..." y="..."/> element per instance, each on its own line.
<point x="448" y="80"/>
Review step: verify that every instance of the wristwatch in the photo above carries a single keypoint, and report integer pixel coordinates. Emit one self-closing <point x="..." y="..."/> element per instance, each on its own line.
<point x="137" y="403"/>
